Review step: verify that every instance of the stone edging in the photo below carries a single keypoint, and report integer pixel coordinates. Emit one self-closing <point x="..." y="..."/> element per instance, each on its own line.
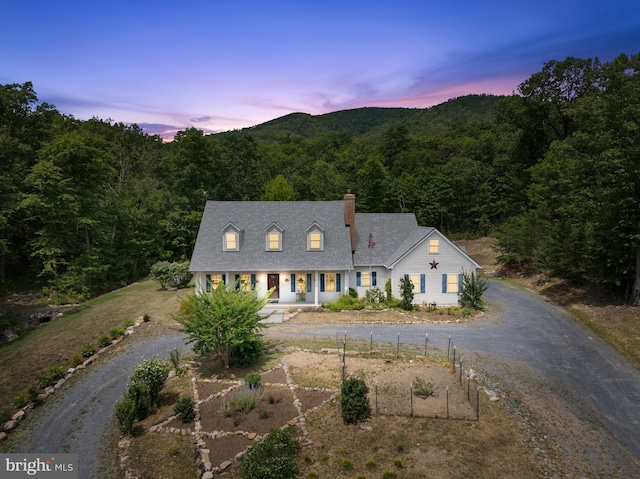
<point x="199" y="436"/>
<point x="23" y="412"/>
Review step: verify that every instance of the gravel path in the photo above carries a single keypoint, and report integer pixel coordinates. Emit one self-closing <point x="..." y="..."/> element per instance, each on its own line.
<point x="578" y="400"/>
<point x="577" y="397"/>
<point x="81" y="416"/>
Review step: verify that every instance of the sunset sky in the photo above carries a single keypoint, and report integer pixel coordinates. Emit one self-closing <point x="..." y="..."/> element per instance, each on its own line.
<point x="221" y="65"/>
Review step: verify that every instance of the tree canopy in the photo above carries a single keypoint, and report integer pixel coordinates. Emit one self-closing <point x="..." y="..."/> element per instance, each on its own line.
<point x="552" y="171"/>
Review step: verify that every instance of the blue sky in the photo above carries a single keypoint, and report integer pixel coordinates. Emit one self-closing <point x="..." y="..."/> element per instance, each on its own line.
<point x="221" y="65"/>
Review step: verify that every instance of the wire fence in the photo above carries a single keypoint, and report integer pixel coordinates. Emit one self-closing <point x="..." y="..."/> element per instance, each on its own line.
<point x="452" y="393"/>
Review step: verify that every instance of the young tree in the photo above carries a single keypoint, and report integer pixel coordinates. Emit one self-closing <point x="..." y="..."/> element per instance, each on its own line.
<point x="473" y="288"/>
<point x="221" y="321"/>
<point x="406" y="293"/>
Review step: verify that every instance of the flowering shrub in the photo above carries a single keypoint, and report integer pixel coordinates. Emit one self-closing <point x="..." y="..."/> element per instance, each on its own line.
<point x="152" y="374"/>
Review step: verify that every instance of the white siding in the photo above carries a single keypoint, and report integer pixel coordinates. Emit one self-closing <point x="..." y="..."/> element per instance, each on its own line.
<point x="450" y="261"/>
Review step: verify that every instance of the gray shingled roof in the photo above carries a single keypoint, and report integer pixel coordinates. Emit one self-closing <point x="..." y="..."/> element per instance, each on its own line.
<point x="390" y="232"/>
<point x="253" y="218"/>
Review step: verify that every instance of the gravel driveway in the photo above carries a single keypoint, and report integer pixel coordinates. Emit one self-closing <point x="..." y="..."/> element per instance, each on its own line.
<point x="80" y="416"/>
<point x="578" y="397"/>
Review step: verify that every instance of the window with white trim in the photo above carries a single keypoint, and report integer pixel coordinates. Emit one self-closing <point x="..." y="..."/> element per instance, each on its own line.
<point x="451" y="283"/>
<point x="273" y="238"/>
<point x="366" y="278"/>
<point x="434" y="246"/>
<point x="315" y="238"/>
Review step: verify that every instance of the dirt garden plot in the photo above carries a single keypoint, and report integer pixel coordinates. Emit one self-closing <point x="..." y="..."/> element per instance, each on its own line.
<point x="301" y="383"/>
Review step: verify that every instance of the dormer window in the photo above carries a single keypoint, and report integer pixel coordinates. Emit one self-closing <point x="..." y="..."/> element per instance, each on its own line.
<point x="274" y="238"/>
<point x="315" y="238"/>
<point x="231" y="238"/>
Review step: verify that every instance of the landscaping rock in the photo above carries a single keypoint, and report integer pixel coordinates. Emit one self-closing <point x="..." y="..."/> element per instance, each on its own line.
<point x="10" y="425"/>
<point x="19" y="416"/>
<point x="3" y="436"/>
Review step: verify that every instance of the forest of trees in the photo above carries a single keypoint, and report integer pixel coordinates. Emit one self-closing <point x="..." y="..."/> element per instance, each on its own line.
<point x="552" y="171"/>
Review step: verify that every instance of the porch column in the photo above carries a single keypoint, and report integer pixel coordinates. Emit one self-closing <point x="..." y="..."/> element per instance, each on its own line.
<point x="316" y="289"/>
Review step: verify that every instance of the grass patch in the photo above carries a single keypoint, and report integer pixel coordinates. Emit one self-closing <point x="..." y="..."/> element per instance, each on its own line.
<point x="161" y="455"/>
<point x="59" y="341"/>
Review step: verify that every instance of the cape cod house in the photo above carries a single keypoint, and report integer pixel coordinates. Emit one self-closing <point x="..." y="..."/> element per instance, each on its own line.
<point x="314" y="251"/>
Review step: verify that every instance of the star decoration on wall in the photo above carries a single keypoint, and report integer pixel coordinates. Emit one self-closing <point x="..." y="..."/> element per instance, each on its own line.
<point x="434" y="265"/>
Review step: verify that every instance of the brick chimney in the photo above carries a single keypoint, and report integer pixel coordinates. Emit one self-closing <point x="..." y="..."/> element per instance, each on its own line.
<point x="350" y="217"/>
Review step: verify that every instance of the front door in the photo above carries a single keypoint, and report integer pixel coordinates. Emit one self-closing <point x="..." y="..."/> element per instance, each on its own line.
<point x="273" y="280"/>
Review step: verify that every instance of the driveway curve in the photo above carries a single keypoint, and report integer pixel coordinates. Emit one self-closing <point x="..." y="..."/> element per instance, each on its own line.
<point x="564" y="383"/>
<point x="78" y="418"/>
<point x="573" y="385"/>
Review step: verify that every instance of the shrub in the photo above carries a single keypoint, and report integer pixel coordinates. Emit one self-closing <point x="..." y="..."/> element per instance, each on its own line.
<point x="171" y="274"/>
<point x="125" y="412"/>
<point x="371" y="464"/>
<point x="104" y="341"/>
<point x="152" y="374"/>
<point x="87" y="350"/>
<point x="45" y="379"/>
<point x="252" y="380"/>
<point x="32" y="394"/>
<point x="161" y="272"/>
<point x="146" y="318"/>
<point x="274" y="457"/>
<point x="20" y="400"/>
<point x="388" y="290"/>
<point x="388" y="474"/>
<point x="116" y="333"/>
<point x="184" y="408"/>
<point x="49" y="377"/>
<point x="374" y="295"/>
<point x="141" y="399"/>
<point x="247" y="353"/>
<point x="422" y="388"/>
<point x="353" y="293"/>
<point x="127" y="323"/>
<point x="347" y="463"/>
<point x="354" y="401"/>
<point x="76" y="360"/>
<point x="174" y="357"/>
<point x="345" y="302"/>
<point x="246" y="401"/>
<point x="406" y="293"/>
<point x="473" y="288"/>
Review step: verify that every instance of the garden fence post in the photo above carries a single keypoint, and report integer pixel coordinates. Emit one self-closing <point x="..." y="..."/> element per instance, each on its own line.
<point x="453" y="363"/>
<point x="398" y="346"/>
<point x="478" y="403"/>
<point x="460" y="370"/>
<point x="411" y="399"/>
<point x="449" y="348"/>
<point x="447" y="401"/>
<point x="426" y="341"/>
